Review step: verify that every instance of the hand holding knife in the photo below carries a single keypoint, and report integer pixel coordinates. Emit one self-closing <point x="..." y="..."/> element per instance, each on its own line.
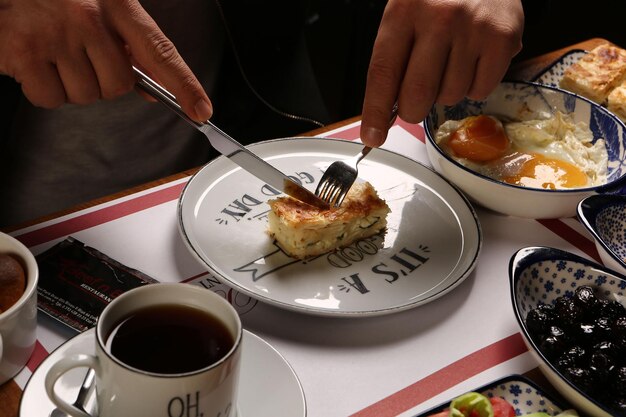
<point x="230" y="148"/>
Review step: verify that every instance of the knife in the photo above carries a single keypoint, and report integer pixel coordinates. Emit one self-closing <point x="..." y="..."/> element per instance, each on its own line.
<point x="230" y="148"/>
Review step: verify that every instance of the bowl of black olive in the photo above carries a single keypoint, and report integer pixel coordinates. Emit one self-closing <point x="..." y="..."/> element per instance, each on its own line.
<point x="572" y="316"/>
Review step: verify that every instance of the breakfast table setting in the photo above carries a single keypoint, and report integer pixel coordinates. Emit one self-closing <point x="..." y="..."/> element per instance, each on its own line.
<point x="378" y="328"/>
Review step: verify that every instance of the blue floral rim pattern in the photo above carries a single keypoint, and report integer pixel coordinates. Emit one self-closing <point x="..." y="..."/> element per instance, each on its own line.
<point x="604" y="216"/>
<point x="522" y="393"/>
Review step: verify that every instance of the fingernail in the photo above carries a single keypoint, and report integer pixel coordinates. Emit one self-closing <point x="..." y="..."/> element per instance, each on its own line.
<point x="203" y="109"/>
<point x="372" y="136"/>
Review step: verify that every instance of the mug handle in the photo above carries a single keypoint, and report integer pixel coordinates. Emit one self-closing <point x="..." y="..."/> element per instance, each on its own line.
<point x="59" y="369"/>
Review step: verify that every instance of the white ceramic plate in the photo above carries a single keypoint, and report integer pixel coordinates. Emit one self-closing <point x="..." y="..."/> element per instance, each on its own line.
<point x="260" y="363"/>
<point x="431" y="245"/>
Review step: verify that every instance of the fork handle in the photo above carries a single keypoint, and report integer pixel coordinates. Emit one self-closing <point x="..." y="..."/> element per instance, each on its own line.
<point x="392" y="120"/>
<point x="363" y="153"/>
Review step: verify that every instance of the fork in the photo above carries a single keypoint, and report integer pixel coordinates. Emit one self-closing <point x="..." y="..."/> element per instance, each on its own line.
<point x="340" y="175"/>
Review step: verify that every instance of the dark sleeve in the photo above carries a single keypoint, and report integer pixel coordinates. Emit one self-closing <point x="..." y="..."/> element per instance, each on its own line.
<point x="9" y="94"/>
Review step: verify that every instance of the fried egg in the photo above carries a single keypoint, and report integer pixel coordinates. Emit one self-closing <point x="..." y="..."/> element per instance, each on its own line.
<point x="553" y="153"/>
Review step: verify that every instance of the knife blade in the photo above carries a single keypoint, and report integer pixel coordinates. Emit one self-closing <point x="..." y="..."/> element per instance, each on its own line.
<point x="232" y="149"/>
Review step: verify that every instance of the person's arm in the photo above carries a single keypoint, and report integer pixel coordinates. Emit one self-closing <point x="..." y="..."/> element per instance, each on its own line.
<point x="437" y="51"/>
<point x="79" y="51"/>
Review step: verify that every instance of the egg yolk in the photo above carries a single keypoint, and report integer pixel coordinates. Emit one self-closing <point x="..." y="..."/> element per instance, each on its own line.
<point x="541" y="172"/>
<point x="480" y="138"/>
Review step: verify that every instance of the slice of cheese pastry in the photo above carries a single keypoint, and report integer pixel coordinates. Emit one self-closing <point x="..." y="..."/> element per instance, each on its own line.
<point x="596" y="73"/>
<point x="617" y="101"/>
<point x="303" y="231"/>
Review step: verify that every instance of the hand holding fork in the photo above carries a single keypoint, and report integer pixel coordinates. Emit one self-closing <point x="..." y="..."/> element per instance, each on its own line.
<point x="340" y="175"/>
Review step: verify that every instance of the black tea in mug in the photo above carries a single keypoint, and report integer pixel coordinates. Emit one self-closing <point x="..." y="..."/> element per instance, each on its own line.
<point x="169" y="339"/>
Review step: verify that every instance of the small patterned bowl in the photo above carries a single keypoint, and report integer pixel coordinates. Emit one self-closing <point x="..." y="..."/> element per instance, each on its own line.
<point x="519" y="100"/>
<point x="604" y="216"/>
<point x="522" y="393"/>
<point x="539" y="275"/>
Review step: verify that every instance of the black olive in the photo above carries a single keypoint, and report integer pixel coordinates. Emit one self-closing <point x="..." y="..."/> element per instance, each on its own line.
<point x="603" y="327"/>
<point x="553" y="346"/>
<point x="540" y="319"/>
<point x="620" y="346"/>
<point x="580" y="377"/>
<point x="619" y="327"/>
<point x="573" y="357"/>
<point x="568" y="312"/>
<point x="556" y="331"/>
<point x="610" y="309"/>
<point x="586" y="334"/>
<point x="619" y="376"/>
<point x="601" y="366"/>
<point x="606" y="347"/>
<point x="619" y="406"/>
<point x="585" y="297"/>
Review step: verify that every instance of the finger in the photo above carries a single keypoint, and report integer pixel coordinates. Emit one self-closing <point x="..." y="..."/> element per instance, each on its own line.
<point x="420" y="86"/>
<point x="79" y="79"/>
<point x="387" y="64"/>
<point x="493" y="63"/>
<point x="155" y="52"/>
<point x="490" y="70"/>
<point x="458" y="75"/>
<point x="43" y="87"/>
<point x="112" y="66"/>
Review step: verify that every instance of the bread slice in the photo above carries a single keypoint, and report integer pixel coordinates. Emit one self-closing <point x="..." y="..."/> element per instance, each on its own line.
<point x="616" y="102"/>
<point x="596" y="73"/>
<point x="303" y="231"/>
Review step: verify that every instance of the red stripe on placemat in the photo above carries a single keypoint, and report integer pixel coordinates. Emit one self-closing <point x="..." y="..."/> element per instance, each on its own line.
<point x="572" y="236"/>
<point x="186" y="280"/>
<point x="101" y="216"/>
<point x="354" y="132"/>
<point x="351" y="133"/>
<point x="453" y="374"/>
<point x="416" y="130"/>
<point x="39" y="354"/>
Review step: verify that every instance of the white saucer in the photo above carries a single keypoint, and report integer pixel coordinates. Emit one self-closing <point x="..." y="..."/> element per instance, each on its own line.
<point x="431" y="245"/>
<point x="282" y="397"/>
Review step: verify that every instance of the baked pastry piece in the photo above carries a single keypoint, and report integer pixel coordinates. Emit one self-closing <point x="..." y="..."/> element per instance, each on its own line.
<point x="616" y="102"/>
<point x="596" y="73"/>
<point x="303" y="231"/>
<point x="12" y="281"/>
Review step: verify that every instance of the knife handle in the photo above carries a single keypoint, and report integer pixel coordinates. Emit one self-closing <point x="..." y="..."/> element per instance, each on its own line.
<point x="225" y="144"/>
<point x="151" y="87"/>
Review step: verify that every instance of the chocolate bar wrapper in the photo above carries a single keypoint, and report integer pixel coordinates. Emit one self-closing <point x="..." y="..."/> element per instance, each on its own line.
<point x="76" y="282"/>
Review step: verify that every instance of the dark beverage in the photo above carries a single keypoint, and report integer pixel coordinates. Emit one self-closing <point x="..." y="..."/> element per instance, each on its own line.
<point x="169" y="339"/>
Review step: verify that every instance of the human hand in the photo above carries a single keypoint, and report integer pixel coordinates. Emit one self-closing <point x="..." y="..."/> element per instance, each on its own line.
<point x="437" y="51"/>
<point x="79" y="51"/>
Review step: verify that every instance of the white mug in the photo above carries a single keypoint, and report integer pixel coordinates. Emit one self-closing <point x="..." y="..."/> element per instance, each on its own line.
<point x="18" y="324"/>
<point x="124" y="390"/>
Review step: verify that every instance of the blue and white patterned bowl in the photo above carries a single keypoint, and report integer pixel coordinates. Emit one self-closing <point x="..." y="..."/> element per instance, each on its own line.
<point x="524" y="101"/>
<point x="539" y="275"/>
<point x="522" y="393"/>
<point x="553" y="73"/>
<point x="604" y="216"/>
